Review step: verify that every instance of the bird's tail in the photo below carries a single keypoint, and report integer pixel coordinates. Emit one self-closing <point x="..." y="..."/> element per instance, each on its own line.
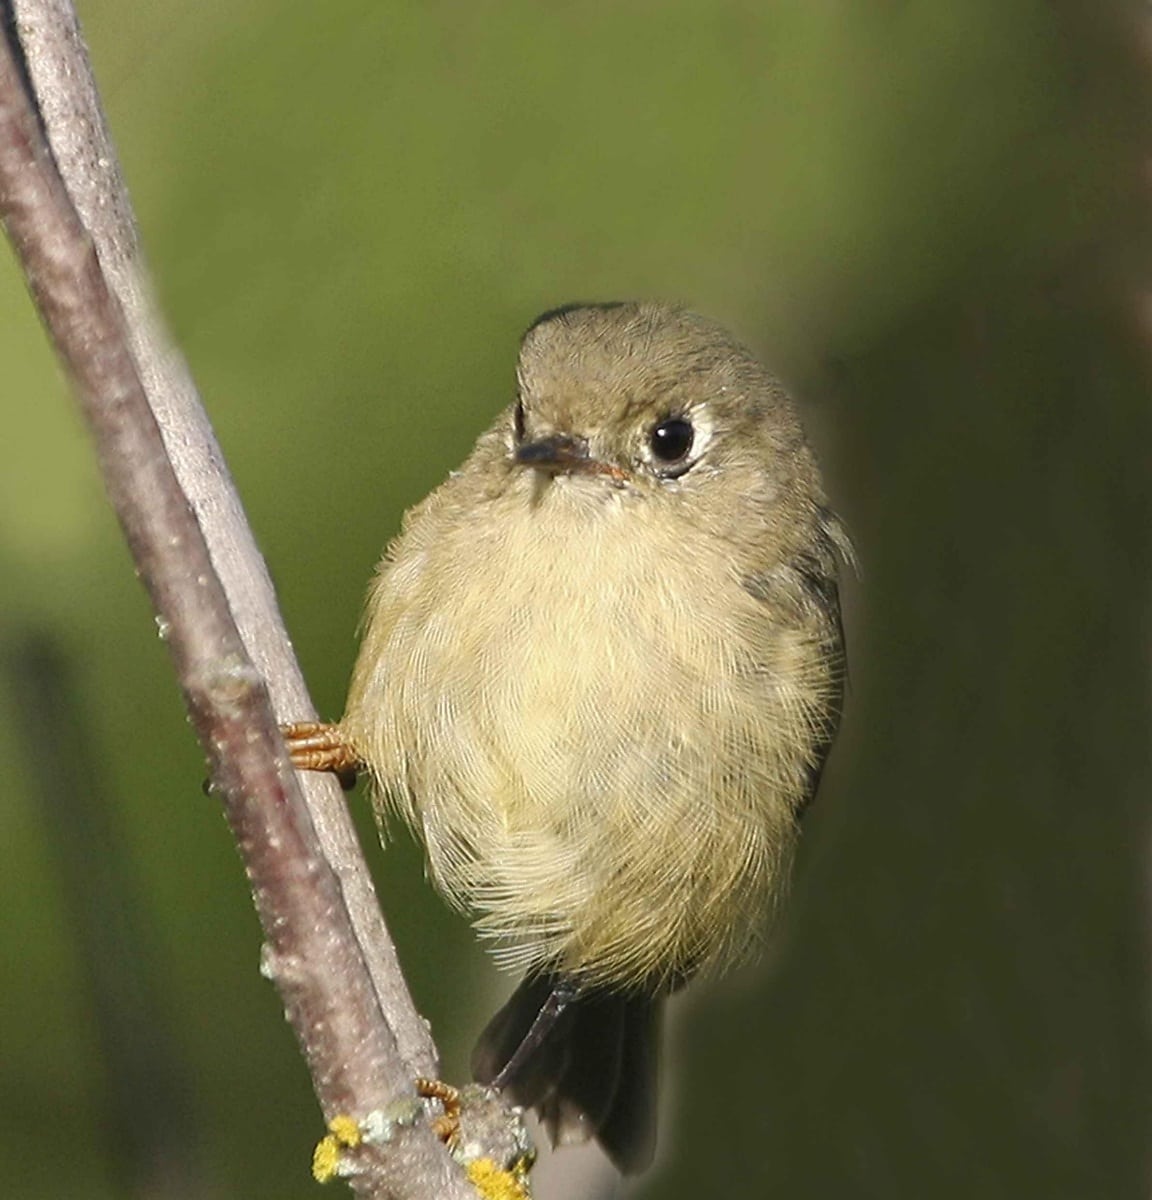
<point x="591" y="1074"/>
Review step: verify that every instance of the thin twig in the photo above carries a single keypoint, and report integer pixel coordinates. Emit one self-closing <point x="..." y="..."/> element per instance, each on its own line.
<point x="334" y="1002"/>
<point x="57" y="64"/>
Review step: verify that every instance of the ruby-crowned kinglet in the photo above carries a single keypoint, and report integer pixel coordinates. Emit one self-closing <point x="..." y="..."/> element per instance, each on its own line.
<point x="600" y="671"/>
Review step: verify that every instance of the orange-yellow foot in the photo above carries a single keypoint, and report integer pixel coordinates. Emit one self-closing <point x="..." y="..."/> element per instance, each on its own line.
<point x="447" y="1125"/>
<point x="316" y="746"/>
<point x="483" y="1135"/>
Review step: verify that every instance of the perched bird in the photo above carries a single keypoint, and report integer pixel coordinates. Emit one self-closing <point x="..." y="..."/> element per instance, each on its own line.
<point x="601" y="668"/>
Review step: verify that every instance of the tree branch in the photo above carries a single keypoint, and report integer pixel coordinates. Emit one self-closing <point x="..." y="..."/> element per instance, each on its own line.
<point x="67" y="214"/>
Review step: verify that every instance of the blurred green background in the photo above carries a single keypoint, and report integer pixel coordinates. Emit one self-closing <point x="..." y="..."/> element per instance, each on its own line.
<point x="929" y="217"/>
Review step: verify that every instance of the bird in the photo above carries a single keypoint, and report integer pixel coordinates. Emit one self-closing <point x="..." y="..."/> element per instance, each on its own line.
<point x="600" y="670"/>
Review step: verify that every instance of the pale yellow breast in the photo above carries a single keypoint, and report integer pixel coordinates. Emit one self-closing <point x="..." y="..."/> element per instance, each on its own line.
<point x="600" y="735"/>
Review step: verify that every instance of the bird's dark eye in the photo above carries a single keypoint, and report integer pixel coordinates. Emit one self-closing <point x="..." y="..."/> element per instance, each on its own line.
<point x="518" y="420"/>
<point x="671" y="440"/>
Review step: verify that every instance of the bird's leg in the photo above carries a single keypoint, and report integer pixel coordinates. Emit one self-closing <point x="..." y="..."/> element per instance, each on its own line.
<point x="447" y="1126"/>
<point x="553" y="1008"/>
<point x="316" y="746"/>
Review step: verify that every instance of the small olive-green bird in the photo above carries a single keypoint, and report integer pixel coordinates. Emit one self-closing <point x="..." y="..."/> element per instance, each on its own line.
<point x="601" y="668"/>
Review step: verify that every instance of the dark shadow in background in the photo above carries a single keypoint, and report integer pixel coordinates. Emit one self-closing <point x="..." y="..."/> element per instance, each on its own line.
<point x="145" y="1110"/>
<point x="960" y="1007"/>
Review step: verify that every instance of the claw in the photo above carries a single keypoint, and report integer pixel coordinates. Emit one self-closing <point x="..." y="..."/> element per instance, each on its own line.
<point x="447" y="1126"/>
<point x="317" y="746"/>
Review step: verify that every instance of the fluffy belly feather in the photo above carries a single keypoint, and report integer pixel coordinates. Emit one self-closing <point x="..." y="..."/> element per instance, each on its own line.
<point x="604" y="771"/>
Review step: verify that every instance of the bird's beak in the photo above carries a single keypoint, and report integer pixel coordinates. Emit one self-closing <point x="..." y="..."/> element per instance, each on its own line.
<point x="562" y="454"/>
<point x="559" y="454"/>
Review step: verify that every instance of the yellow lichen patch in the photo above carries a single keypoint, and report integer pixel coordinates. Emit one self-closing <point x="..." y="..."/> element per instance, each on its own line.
<point x="343" y="1134"/>
<point x="494" y="1183"/>
<point x="326" y="1159"/>
<point x="346" y="1130"/>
